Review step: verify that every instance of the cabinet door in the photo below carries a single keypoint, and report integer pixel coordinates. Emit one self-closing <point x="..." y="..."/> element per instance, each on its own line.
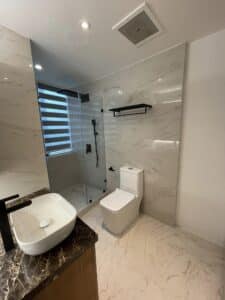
<point x="77" y="282"/>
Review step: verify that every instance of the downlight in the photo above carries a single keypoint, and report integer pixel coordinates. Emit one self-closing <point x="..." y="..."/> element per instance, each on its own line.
<point x="85" y="25"/>
<point x="38" y="67"/>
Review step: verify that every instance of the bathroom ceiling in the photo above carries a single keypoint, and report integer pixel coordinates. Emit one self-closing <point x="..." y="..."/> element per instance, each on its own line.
<point x="70" y="55"/>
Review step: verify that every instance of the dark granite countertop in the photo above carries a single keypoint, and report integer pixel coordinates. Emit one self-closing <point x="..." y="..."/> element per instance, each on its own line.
<point x="22" y="276"/>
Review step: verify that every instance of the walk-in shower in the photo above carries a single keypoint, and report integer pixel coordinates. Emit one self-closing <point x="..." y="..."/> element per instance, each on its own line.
<point x="72" y="126"/>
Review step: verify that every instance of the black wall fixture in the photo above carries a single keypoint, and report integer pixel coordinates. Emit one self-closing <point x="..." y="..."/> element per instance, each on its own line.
<point x="137" y="109"/>
<point x="93" y="122"/>
<point x="84" y="98"/>
<point x="88" y="148"/>
<point x="111" y="169"/>
<point x="69" y="93"/>
<point x="66" y="92"/>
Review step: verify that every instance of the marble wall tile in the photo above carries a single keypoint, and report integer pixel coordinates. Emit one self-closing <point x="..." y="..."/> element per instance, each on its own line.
<point x="150" y="141"/>
<point x="22" y="160"/>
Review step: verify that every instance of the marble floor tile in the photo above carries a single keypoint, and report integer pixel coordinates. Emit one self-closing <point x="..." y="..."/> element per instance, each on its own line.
<point x="153" y="261"/>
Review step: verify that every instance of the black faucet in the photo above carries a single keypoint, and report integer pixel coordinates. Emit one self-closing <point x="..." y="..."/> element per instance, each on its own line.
<point x="4" y="220"/>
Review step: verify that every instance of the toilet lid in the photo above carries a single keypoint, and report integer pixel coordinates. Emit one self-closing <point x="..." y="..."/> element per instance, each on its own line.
<point x="117" y="200"/>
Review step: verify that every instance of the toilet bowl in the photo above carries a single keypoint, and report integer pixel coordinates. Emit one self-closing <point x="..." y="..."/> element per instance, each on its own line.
<point x="121" y="208"/>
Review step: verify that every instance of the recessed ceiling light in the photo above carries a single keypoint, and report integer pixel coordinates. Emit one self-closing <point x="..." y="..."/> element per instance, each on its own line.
<point x="38" y="67"/>
<point x="159" y="79"/>
<point x="6" y="78"/>
<point x="85" y="25"/>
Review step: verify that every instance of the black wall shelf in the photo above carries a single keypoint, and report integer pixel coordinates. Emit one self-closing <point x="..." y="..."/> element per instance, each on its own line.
<point x="138" y="109"/>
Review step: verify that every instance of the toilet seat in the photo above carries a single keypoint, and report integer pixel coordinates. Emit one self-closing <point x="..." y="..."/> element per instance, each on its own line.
<point x="117" y="200"/>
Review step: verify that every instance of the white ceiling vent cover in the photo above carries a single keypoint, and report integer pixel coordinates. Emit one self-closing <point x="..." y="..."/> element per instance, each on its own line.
<point x="139" y="26"/>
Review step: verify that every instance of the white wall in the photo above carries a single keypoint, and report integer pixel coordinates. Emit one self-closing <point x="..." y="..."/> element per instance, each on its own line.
<point x="22" y="159"/>
<point x="201" y="207"/>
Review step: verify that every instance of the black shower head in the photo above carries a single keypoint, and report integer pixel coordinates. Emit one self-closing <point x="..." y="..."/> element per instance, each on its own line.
<point x="93" y="122"/>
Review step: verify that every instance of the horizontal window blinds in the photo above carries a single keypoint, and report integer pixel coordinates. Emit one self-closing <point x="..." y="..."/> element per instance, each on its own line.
<point x="55" y="121"/>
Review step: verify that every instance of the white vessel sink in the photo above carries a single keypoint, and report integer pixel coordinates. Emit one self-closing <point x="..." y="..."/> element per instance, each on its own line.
<point x="44" y="224"/>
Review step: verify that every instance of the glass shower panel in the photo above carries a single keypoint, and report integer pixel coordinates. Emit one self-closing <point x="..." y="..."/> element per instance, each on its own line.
<point x="87" y="135"/>
<point x="93" y="144"/>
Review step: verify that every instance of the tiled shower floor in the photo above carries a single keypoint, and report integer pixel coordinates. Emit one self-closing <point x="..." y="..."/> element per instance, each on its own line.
<point x="81" y="195"/>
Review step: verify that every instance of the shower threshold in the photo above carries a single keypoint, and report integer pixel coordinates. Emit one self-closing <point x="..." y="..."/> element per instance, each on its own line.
<point x="82" y="196"/>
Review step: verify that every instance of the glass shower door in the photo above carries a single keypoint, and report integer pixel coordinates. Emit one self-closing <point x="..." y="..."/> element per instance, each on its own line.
<point x="93" y="144"/>
<point x="80" y="174"/>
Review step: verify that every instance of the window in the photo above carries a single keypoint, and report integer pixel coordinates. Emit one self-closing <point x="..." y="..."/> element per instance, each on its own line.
<point x="55" y="121"/>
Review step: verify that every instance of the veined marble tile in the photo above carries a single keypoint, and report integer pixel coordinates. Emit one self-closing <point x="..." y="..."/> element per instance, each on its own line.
<point x="155" y="261"/>
<point x="150" y="141"/>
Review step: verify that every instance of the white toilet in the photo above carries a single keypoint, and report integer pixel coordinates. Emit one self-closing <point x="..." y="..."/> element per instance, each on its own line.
<point x="121" y="207"/>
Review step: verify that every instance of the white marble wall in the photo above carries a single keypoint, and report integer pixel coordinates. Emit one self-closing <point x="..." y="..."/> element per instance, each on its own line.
<point x="22" y="160"/>
<point x="148" y="141"/>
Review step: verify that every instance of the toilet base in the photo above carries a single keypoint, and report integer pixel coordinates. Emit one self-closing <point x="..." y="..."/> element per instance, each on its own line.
<point x="118" y="235"/>
<point x="118" y="222"/>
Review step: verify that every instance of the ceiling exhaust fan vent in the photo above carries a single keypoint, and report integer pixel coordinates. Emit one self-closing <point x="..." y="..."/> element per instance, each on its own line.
<point x="139" y="25"/>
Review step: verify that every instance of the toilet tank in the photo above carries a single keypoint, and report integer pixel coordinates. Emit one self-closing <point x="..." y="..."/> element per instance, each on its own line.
<point x="131" y="180"/>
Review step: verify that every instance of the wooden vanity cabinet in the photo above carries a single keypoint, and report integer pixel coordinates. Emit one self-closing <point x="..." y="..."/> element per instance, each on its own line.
<point x="77" y="282"/>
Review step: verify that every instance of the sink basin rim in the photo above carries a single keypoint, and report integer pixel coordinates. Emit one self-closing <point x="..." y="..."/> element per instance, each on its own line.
<point x="39" y="242"/>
